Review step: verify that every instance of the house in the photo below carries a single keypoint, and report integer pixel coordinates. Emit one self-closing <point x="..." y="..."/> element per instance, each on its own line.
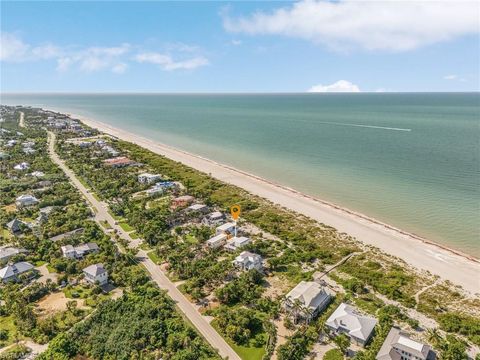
<point x="306" y="300"/>
<point x="214" y="218"/>
<point x="346" y="320"/>
<point x="74" y="126"/>
<point x="11" y="143"/>
<point x="26" y="200"/>
<point x="217" y="241"/>
<point x="398" y="346"/>
<point x="198" y="208"/>
<point x="160" y="187"/>
<point x="28" y="144"/>
<point x="22" y="166"/>
<point x="8" y="252"/>
<point x="248" y="261"/>
<point x="78" y="252"/>
<point x="85" y="249"/>
<point x="110" y="150"/>
<point x="166" y="184"/>
<point x="227" y="228"/>
<point x="68" y="251"/>
<point x="44" y="213"/>
<point x="11" y="272"/>
<point x="67" y="235"/>
<point x="154" y="190"/>
<point x="85" y="144"/>
<point x="15" y="226"/>
<point x="96" y="273"/>
<point x="236" y="243"/>
<point x="28" y="150"/>
<point x="37" y="174"/>
<point x="59" y="125"/>
<point x="119" y="162"/>
<point x="147" y="178"/>
<point x="182" y="201"/>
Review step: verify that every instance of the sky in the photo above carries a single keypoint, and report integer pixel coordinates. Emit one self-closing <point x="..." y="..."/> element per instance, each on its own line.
<point x="239" y="46"/>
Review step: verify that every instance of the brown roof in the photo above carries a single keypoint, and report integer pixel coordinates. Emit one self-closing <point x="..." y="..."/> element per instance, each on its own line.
<point x="122" y="160"/>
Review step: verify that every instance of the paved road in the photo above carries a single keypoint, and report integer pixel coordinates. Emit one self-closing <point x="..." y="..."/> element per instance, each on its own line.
<point x="101" y="214"/>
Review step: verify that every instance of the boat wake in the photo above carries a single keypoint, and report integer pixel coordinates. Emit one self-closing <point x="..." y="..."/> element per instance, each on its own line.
<point x="366" y="126"/>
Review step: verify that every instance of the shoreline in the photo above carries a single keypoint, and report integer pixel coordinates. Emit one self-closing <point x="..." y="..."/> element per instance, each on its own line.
<point x="450" y="264"/>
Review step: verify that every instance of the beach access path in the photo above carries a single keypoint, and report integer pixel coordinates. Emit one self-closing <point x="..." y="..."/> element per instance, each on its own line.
<point x="450" y="265"/>
<point x="187" y="308"/>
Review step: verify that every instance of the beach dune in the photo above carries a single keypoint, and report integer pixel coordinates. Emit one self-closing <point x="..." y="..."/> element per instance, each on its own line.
<point x="460" y="269"/>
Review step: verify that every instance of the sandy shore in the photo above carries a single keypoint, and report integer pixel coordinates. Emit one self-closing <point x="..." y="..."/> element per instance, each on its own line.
<point x="460" y="269"/>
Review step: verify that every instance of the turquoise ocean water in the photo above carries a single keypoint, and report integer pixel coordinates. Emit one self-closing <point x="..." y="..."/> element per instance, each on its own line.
<point x="410" y="160"/>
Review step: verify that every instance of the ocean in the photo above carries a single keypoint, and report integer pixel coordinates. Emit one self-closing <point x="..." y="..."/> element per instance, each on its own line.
<point x="411" y="160"/>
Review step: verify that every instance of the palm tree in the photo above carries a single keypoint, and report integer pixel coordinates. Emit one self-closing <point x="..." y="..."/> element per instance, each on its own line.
<point x="297" y="309"/>
<point x="433" y="336"/>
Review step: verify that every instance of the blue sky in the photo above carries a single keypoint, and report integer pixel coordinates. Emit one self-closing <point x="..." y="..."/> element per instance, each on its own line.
<point x="239" y="46"/>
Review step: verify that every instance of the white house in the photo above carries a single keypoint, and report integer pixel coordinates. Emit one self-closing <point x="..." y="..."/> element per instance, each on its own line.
<point x="399" y="346"/>
<point x="306" y="300"/>
<point x="248" y="261"/>
<point x="199" y="208"/>
<point x="26" y="200"/>
<point x="217" y="241"/>
<point x="154" y="190"/>
<point x="346" y="320"/>
<point x="214" y="218"/>
<point x="78" y="252"/>
<point x="22" y="166"/>
<point x="236" y="243"/>
<point x="147" y="178"/>
<point x="226" y="228"/>
<point x="37" y="174"/>
<point x="11" y="272"/>
<point x="96" y="273"/>
<point x="68" y="251"/>
<point x="28" y="150"/>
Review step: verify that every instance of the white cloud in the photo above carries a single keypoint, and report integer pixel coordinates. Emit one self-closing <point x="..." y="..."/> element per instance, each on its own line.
<point x="96" y="58"/>
<point x="12" y="48"/>
<point x="167" y="63"/>
<point x="450" y="77"/>
<point x="453" y="77"/>
<point x="120" y="68"/>
<point x="339" y="86"/>
<point x="372" y="25"/>
<point x="44" y="52"/>
<point x="100" y="58"/>
<point x="236" y="42"/>
<point x="63" y="63"/>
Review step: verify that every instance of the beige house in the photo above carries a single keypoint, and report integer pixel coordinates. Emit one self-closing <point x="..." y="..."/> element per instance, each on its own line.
<point x="347" y="320"/>
<point x="306" y="300"/>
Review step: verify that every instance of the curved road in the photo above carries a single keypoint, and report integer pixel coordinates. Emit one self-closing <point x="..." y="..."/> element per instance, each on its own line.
<point x="101" y="214"/>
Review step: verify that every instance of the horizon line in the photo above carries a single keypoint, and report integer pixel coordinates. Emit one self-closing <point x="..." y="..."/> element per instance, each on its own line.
<point x="225" y="92"/>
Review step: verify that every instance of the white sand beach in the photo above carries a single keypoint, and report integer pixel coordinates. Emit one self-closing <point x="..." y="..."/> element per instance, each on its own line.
<point x="460" y="269"/>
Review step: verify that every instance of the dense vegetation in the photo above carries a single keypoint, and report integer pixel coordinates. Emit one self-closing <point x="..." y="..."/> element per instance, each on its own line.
<point x="141" y="325"/>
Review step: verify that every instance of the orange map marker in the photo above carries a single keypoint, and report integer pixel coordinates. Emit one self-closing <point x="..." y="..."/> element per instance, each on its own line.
<point x="235" y="211"/>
